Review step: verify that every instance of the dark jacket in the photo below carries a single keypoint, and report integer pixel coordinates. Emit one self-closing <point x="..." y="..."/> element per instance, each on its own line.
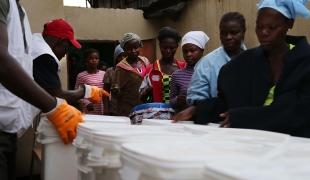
<point x="244" y="84"/>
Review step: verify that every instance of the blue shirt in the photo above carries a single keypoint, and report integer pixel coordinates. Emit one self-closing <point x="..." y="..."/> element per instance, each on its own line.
<point x="204" y="80"/>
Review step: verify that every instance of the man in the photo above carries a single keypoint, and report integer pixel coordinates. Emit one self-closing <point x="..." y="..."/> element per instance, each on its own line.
<point x="48" y="49"/>
<point x="17" y="89"/>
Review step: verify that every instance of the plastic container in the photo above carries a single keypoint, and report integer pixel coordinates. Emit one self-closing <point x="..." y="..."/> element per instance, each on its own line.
<point x="291" y="161"/>
<point x="59" y="160"/>
<point x="160" y="122"/>
<point x="187" y="159"/>
<point x="151" y="111"/>
<point x="101" y="157"/>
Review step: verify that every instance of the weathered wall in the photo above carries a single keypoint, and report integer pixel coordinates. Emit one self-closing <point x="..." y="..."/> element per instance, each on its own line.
<point x="109" y="24"/>
<point x="42" y="11"/>
<point x="206" y="14"/>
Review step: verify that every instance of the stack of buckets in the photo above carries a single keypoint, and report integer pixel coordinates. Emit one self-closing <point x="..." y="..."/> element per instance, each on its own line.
<point x="110" y="148"/>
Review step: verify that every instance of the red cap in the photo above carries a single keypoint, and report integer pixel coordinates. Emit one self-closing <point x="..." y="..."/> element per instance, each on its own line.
<point x="60" y="28"/>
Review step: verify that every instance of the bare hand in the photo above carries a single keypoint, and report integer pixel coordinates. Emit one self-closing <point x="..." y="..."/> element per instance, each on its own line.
<point x="226" y="122"/>
<point x="184" y="115"/>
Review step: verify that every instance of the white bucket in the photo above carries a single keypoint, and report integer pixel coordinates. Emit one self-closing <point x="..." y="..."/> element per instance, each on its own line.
<point x="186" y="160"/>
<point x="291" y="161"/>
<point x="105" y="146"/>
<point x="58" y="159"/>
<point x="161" y="122"/>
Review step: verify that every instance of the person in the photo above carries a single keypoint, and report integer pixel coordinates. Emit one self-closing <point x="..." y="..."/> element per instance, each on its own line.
<point x="110" y="104"/>
<point x="20" y="96"/>
<point x="204" y="80"/>
<point x="193" y="44"/>
<point x="94" y="77"/>
<point x="268" y="87"/>
<point x="129" y="74"/>
<point x="158" y="89"/>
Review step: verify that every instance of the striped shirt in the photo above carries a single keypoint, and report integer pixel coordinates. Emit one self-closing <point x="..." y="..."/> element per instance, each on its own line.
<point x="180" y="81"/>
<point x="92" y="80"/>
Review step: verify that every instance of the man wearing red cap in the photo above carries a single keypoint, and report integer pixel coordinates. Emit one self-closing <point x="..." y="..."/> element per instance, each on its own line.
<point x="20" y="96"/>
<point x="48" y="49"/>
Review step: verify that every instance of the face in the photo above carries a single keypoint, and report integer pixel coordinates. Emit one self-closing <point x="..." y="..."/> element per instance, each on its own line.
<point x="231" y="35"/>
<point x="168" y="47"/>
<point x="191" y="53"/>
<point x="132" y="48"/>
<point x="271" y="28"/>
<point x="61" y="48"/>
<point x="92" y="60"/>
<point x="120" y="57"/>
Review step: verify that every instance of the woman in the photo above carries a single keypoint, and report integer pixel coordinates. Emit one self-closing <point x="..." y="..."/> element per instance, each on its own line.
<point x="110" y="104"/>
<point x="129" y="74"/>
<point x="92" y="76"/>
<point x="268" y="87"/>
<point x="193" y="44"/>
<point x="203" y="84"/>
<point x="156" y="85"/>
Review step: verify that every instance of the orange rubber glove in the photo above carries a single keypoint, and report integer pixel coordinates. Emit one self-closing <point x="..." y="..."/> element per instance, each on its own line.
<point x="65" y="118"/>
<point x="95" y="94"/>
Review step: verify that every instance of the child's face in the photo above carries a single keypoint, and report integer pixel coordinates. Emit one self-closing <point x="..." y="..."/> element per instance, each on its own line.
<point x="132" y="48"/>
<point x="231" y="35"/>
<point x="93" y="60"/>
<point x="168" y="47"/>
<point x="120" y="57"/>
<point x="191" y="53"/>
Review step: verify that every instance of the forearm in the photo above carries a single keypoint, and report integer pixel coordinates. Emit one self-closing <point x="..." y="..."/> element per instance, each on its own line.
<point x="16" y="80"/>
<point x="72" y="96"/>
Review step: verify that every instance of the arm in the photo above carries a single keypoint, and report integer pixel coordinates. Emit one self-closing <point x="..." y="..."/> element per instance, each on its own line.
<point x="199" y="88"/>
<point x="16" y="80"/>
<point x="289" y="113"/>
<point x="45" y="74"/>
<point x="79" y="82"/>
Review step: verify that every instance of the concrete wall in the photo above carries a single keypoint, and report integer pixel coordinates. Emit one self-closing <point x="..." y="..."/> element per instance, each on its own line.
<point x="42" y="11"/>
<point x="109" y="24"/>
<point x="206" y="14"/>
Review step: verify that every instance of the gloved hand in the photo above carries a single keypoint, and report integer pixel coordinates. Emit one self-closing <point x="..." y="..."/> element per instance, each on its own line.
<point x="94" y="94"/>
<point x="65" y="118"/>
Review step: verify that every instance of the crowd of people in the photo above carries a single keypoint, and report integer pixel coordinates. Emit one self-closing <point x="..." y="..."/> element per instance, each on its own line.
<point x="266" y="87"/>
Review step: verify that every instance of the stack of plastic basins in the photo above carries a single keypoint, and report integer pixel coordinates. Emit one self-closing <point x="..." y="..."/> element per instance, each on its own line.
<point x="58" y="159"/>
<point x="289" y="160"/>
<point x="99" y="146"/>
<point x="222" y="154"/>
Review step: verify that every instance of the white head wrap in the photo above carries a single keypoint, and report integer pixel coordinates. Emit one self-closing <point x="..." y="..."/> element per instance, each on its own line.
<point x="129" y="37"/>
<point x="199" y="38"/>
<point x="289" y="8"/>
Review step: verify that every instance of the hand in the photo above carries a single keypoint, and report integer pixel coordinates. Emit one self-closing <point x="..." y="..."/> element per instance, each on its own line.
<point x="90" y="107"/>
<point x="184" y="115"/>
<point x="65" y="118"/>
<point x="95" y="94"/>
<point x="226" y="122"/>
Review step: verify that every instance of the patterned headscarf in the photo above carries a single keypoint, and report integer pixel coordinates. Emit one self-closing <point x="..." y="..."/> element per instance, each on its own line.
<point x="129" y="37"/>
